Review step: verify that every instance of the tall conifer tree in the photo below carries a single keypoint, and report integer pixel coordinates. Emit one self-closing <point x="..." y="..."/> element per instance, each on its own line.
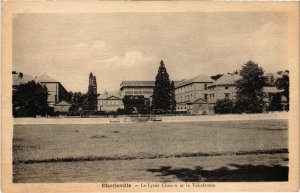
<point x="162" y="89"/>
<point x="91" y="101"/>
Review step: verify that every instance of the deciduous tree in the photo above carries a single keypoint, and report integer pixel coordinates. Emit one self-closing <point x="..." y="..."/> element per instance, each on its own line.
<point x="30" y="99"/>
<point x="249" y="98"/>
<point x="283" y="82"/>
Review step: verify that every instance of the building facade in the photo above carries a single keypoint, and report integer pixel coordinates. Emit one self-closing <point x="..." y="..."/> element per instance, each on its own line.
<point x="135" y="88"/>
<point x="56" y="90"/>
<point x="223" y="88"/>
<point x="110" y="101"/>
<point x="62" y="107"/>
<point x="190" y="93"/>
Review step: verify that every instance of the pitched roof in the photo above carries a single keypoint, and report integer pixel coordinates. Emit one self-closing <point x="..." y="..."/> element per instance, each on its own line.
<point x="226" y="79"/>
<point x="18" y="79"/>
<point x="45" y="78"/>
<point x="199" y="78"/>
<point x="63" y="103"/>
<point x="106" y="95"/>
<point x="198" y="101"/>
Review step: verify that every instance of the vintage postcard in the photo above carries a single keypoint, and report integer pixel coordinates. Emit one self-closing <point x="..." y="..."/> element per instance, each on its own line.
<point x="150" y="96"/>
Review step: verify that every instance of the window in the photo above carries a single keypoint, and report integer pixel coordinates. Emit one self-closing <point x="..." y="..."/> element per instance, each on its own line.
<point x="226" y="87"/>
<point x="205" y="86"/>
<point x="226" y="95"/>
<point x="117" y="103"/>
<point x="205" y="96"/>
<point x="108" y="103"/>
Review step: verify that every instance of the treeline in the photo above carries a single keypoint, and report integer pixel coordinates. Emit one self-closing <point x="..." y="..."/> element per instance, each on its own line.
<point x="31" y="99"/>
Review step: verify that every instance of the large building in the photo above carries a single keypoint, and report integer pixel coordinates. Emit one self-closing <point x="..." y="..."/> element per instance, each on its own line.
<point x="110" y="101"/>
<point x="192" y="95"/>
<point x="57" y="92"/>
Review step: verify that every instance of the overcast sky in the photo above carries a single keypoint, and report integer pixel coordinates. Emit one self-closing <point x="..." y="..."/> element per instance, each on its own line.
<point x="129" y="46"/>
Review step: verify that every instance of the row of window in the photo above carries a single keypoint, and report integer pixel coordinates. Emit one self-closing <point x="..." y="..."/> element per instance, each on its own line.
<point x="185" y="97"/>
<point x="213" y="88"/>
<point x="180" y="108"/>
<point x="226" y="95"/>
<point x="189" y="87"/>
<point x="138" y="92"/>
<point x="111" y="103"/>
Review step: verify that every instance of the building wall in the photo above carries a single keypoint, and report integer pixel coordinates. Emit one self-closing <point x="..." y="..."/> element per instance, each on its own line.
<point x="145" y="91"/>
<point x="220" y="92"/>
<point x="63" y="94"/>
<point x="110" y="104"/>
<point x="61" y="108"/>
<point x="53" y="93"/>
<point x="198" y="109"/>
<point x="190" y="92"/>
<point x="56" y="93"/>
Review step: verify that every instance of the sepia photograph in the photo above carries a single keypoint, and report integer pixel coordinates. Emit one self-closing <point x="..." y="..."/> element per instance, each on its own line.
<point x="161" y="98"/>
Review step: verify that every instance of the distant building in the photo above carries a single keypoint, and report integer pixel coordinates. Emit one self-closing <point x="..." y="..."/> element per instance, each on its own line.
<point x="110" y="101"/>
<point x="20" y="78"/>
<point x="57" y="92"/>
<point x="62" y="106"/>
<point x="223" y="88"/>
<point x="192" y="95"/>
<point x="271" y="91"/>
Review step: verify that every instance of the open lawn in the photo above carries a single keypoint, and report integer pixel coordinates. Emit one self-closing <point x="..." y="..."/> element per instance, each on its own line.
<point x="52" y="153"/>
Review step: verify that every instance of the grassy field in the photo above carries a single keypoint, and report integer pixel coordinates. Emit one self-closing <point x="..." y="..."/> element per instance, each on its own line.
<point x="151" y="147"/>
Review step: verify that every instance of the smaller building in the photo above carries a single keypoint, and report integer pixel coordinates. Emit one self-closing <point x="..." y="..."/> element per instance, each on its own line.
<point x="223" y="88"/>
<point x="198" y="107"/>
<point x="110" y="101"/>
<point x="62" y="107"/>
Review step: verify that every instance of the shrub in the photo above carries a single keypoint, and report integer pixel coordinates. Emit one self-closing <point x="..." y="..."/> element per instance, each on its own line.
<point x="224" y="106"/>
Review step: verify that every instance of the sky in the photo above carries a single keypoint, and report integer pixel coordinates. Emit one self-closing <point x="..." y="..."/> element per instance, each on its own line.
<point x="130" y="46"/>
